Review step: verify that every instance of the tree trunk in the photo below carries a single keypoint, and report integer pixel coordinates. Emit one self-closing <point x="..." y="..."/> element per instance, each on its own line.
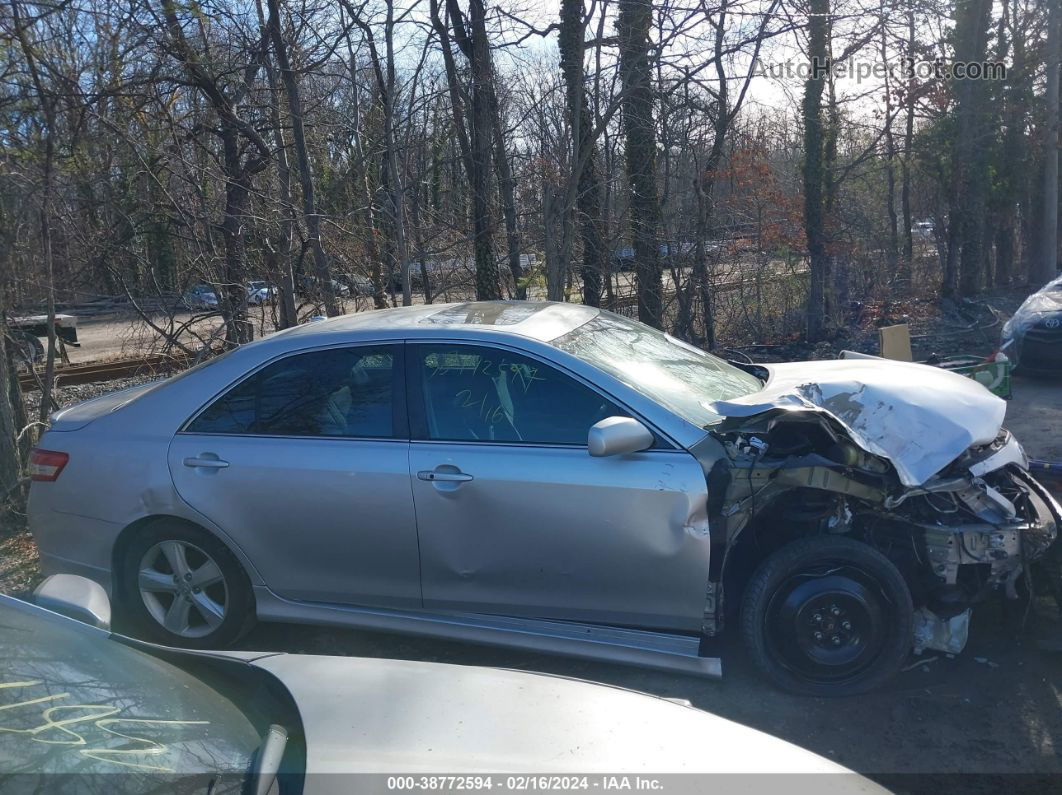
<point x="908" y="147"/>
<point x="814" y="171"/>
<point x="972" y="142"/>
<point x="233" y="293"/>
<point x="47" y="106"/>
<point x="10" y="457"/>
<point x="280" y="257"/>
<point x="238" y="169"/>
<point x="555" y="223"/>
<point x="893" y="250"/>
<point x="507" y="194"/>
<point x="632" y="27"/>
<point x="584" y="176"/>
<point x="471" y="38"/>
<point x="302" y="159"/>
<point x="360" y="176"/>
<point x="1047" y="264"/>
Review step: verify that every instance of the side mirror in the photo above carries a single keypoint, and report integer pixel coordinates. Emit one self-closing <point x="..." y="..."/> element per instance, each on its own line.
<point x="617" y="436"/>
<point x="75" y="597"/>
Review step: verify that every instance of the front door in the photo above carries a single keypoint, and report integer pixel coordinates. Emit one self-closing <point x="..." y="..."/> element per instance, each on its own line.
<point x="516" y="518"/>
<point x="304" y="464"/>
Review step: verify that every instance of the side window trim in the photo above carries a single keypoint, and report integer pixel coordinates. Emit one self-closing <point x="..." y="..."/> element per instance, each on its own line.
<point x="417" y="411"/>
<point x="399" y="414"/>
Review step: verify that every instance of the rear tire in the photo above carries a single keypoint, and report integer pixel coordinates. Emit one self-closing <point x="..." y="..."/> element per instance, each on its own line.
<point x="827" y="616"/>
<point x="182" y="587"/>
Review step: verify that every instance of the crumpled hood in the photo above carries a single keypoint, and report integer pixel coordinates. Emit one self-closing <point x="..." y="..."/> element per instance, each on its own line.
<point x="920" y="418"/>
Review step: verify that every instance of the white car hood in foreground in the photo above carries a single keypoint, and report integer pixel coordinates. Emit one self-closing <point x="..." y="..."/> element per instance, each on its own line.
<point x="920" y="418"/>
<point x="364" y="715"/>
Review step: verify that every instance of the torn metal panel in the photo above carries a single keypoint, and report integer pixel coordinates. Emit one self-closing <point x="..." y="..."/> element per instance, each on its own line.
<point x="1009" y="452"/>
<point x="919" y="418"/>
<point x="940" y="634"/>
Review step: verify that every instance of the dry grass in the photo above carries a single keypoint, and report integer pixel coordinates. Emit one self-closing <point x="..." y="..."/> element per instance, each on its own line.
<point x="19" y="562"/>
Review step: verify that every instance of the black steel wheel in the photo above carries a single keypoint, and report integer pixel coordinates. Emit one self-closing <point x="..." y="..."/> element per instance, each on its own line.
<point x="827" y="616"/>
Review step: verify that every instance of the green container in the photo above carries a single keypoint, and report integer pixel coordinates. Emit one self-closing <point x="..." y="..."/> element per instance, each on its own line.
<point x="993" y="376"/>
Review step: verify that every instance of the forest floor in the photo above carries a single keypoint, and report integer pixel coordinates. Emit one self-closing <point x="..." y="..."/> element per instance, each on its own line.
<point x="987" y="720"/>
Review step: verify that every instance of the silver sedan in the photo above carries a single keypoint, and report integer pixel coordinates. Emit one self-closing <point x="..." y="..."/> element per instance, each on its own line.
<point x="546" y="476"/>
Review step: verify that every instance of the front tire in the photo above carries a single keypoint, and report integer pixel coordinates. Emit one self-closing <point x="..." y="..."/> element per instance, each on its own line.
<point x="827" y="616"/>
<point x="183" y="587"/>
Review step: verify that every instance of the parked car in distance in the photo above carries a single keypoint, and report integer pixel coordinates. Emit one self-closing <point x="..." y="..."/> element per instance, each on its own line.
<point x="357" y="284"/>
<point x="199" y="297"/>
<point x="550" y="476"/>
<point x="924" y="231"/>
<point x="259" y="293"/>
<point x="268" y="722"/>
<point x="25" y="333"/>
<point x="1032" y="338"/>
<point x="311" y="286"/>
<point x="416" y="279"/>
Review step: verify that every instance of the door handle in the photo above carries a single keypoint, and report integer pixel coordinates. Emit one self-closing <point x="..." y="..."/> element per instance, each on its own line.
<point x="447" y="477"/>
<point x="205" y="463"/>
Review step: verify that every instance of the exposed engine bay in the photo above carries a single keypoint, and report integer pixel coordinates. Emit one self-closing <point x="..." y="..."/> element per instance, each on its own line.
<point x="979" y="526"/>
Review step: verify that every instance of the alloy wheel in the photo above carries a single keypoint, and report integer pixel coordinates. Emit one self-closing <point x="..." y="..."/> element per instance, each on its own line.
<point x="183" y="588"/>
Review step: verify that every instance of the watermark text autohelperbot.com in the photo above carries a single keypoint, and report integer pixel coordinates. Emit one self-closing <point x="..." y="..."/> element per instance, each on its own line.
<point x="901" y="69"/>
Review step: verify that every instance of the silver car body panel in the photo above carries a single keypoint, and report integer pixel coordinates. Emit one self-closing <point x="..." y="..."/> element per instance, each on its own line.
<point x="919" y="418"/>
<point x="362" y="715"/>
<point x="560" y="534"/>
<point x="300" y="550"/>
<point x="327" y="520"/>
<point x="649" y="649"/>
<point x="381" y="716"/>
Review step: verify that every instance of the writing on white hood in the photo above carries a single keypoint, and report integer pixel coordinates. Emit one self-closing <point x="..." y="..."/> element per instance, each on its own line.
<point x="920" y="418"/>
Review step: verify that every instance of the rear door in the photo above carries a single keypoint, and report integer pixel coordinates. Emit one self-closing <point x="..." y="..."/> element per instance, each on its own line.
<point x="305" y="465"/>
<point x="515" y="517"/>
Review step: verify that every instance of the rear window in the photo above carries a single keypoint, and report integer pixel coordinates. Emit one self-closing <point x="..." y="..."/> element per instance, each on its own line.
<point x="345" y="392"/>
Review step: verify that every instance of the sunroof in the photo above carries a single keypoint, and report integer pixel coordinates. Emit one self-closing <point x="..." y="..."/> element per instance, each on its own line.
<point x="486" y="313"/>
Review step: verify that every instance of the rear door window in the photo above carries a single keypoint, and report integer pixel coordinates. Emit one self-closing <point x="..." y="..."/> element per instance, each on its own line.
<point x="342" y="392"/>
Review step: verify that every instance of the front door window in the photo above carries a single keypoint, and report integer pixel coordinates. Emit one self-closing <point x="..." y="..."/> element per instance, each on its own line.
<point x="479" y="394"/>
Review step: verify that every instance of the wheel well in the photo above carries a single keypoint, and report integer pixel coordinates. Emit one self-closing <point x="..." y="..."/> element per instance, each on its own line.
<point x="795" y="514"/>
<point x="130" y="531"/>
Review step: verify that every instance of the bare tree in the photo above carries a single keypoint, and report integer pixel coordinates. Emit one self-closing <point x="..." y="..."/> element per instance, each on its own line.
<point x="1048" y="261"/>
<point x="470" y="36"/>
<point x="585" y="176"/>
<point x="632" y="28"/>
<point x="302" y="158"/>
<point x="239" y="167"/>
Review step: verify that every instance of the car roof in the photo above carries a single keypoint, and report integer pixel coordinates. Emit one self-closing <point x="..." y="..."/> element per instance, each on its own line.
<point x="540" y="320"/>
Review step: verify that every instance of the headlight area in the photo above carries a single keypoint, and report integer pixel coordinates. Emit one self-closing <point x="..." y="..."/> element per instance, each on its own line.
<point x="968" y="538"/>
<point x="982" y="526"/>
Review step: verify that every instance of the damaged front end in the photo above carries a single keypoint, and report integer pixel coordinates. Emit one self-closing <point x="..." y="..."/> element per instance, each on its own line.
<point x="980" y="525"/>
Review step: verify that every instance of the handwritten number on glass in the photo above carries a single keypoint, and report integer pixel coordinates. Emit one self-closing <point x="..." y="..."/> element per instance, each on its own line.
<point x="99" y="715"/>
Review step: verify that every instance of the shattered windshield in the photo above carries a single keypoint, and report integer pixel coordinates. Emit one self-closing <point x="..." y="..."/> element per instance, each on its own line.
<point x="678" y="376"/>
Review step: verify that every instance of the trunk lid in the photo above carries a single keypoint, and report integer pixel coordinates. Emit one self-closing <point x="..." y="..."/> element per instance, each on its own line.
<point x="81" y="414"/>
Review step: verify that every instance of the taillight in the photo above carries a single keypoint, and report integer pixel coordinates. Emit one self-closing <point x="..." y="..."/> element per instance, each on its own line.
<point x="46" y="464"/>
